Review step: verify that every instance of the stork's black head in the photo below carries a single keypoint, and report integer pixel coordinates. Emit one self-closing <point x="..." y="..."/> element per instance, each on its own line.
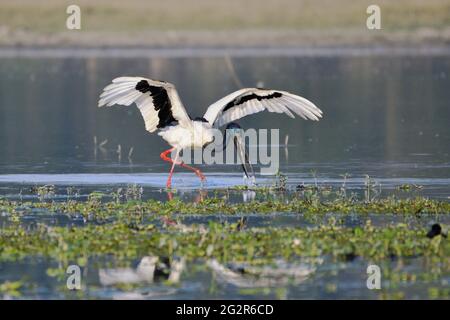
<point x="233" y="125"/>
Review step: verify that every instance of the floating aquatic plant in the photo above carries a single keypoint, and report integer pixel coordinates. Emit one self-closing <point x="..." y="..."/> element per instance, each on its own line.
<point x="222" y="241"/>
<point x="308" y="203"/>
<point x="121" y="226"/>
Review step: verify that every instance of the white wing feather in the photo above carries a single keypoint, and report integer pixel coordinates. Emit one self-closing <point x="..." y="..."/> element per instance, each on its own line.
<point x="282" y="102"/>
<point x="123" y="91"/>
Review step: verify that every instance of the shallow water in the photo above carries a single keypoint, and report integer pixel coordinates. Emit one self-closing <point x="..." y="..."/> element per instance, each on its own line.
<point x="386" y="116"/>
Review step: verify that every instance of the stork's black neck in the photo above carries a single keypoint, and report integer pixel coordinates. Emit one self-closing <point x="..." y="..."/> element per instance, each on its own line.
<point x="199" y="119"/>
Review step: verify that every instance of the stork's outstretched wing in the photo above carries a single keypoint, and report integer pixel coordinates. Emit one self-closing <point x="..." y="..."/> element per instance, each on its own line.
<point x="248" y="101"/>
<point x="158" y="101"/>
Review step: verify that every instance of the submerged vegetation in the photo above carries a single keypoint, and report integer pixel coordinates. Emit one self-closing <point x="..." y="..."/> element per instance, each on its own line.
<point x="268" y="255"/>
<point x="123" y="227"/>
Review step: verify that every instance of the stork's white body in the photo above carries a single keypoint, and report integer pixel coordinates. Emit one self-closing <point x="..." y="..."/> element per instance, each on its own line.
<point x="196" y="136"/>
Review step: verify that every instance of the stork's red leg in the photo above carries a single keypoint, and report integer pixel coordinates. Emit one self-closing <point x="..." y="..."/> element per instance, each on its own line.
<point x="164" y="156"/>
<point x="169" y="179"/>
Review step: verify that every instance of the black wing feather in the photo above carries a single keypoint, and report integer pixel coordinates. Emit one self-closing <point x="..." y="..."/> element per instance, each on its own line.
<point x="241" y="100"/>
<point x="161" y="102"/>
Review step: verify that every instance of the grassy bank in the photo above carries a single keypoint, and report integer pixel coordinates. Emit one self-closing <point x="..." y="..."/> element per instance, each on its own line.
<point x="178" y="23"/>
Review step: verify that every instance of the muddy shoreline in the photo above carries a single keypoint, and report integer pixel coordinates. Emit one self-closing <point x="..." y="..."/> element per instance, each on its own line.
<point x="193" y="52"/>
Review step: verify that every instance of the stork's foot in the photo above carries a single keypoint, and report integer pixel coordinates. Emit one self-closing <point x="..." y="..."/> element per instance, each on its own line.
<point x="165" y="156"/>
<point x="195" y="170"/>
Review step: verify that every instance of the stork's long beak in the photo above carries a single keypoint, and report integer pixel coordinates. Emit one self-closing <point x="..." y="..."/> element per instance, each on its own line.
<point x="235" y="133"/>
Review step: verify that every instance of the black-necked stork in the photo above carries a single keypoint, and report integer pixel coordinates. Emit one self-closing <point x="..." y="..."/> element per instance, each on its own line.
<point x="162" y="110"/>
